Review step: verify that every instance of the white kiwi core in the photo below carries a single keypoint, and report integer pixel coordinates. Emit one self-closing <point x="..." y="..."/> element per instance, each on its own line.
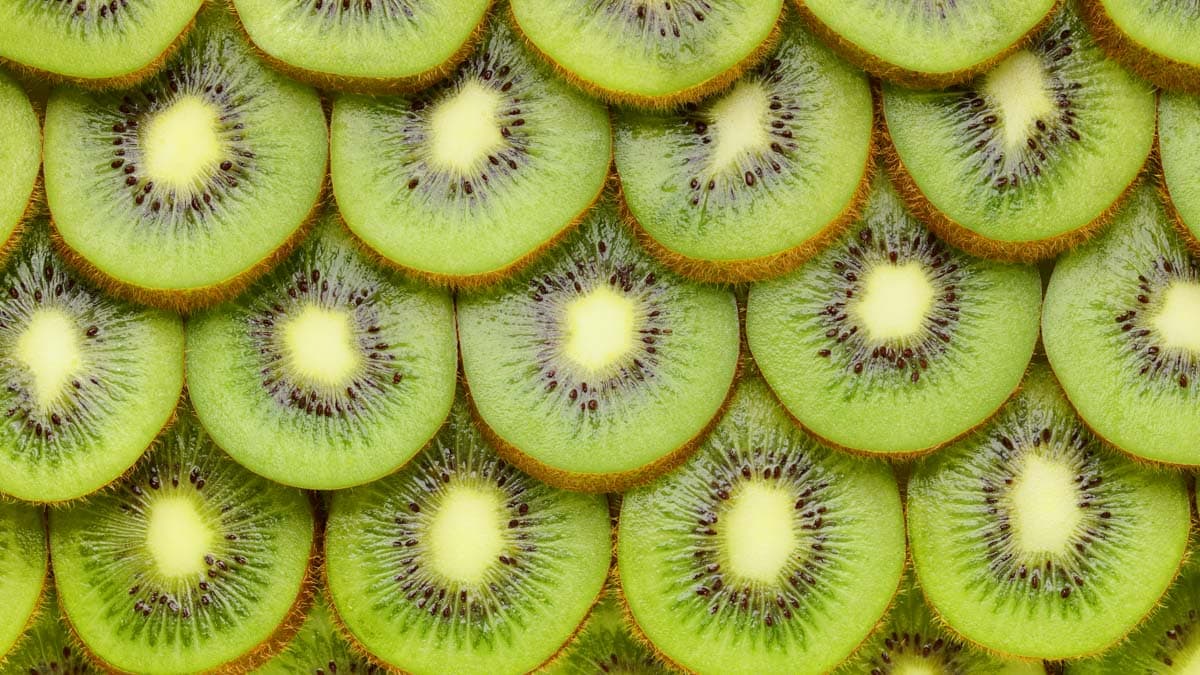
<point x="50" y="348"/>
<point x="464" y="128"/>
<point x="466" y="535"/>
<point x="759" y="533"/>
<point x="894" y="302"/>
<point x="182" y="143"/>
<point x="320" y="346"/>
<point x="599" y="328"/>
<point x="1044" y="506"/>
<point x="739" y="124"/>
<point x="1178" y="320"/>
<point x="1018" y="87"/>
<point x="177" y="537"/>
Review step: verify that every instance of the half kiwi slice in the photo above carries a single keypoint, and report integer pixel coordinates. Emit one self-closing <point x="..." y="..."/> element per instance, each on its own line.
<point x="652" y="54"/>
<point x="88" y="381"/>
<point x="329" y="372"/>
<point x="1179" y="150"/>
<point x="1029" y="158"/>
<point x="23" y="569"/>
<point x="20" y="157"/>
<point x="1034" y="539"/>
<point x="608" y="644"/>
<point x="188" y="564"/>
<point x="890" y="341"/>
<point x="1159" y="41"/>
<point x="320" y="648"/>
<point x="1121" y="328"/>
<point x="461" y="563"/>
<point x="749" y="184"/>
<point x="363" y="46"/>
<point x="598" y="368"/>
<point x="176" y="192"/>
<point x="766" y="551"/>
<point x="49" y="648"/>
<point x="472" y="177"/>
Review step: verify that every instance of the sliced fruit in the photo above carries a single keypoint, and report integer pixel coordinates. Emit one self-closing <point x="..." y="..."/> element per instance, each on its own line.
<point x="1158" y="40"/>
<point x="20" y="156"/>
<point x="49" y="648"/>
<point x="608" y="644"/>
<point x="1179" y="148"/>
<point x="319" y="648"/>
<point x="23" y="568"/>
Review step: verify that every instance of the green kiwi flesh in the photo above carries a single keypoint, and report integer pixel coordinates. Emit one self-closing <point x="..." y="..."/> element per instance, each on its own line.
<point x="1179" y="147"/>
<point x="319" y="648"/>
<point x="461" y="563"/>
<point x="1159" y="41"/>
<point x="608" y="644"/>
<point x="598" y="367"/>
<point x="153" y="187"/>
<point x="749" y="183"/>
<point x="88" y="380"/>
<point x="1034" y="539"/>
<point x="189" y="563"/>
<point x="474" y="175"/>
<point x="328" y="372"/>
<point x="23" y="569"/>
<point x="1029" y="157"/>
<point x="20" y="155"/>
<point x="49" y="648"/>
<point x="1121" y="327"/>
<point x="766" y="551"/>
<point x="890" y="341"/>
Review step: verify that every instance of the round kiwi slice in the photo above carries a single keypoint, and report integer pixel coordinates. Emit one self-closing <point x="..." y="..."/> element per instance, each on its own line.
<point x="766" y="552"/>
<point x="651" y="54"/>
<point x="329" y="372"/>
<point x="926" y="44"/>
<point x="23" y="568"/>
<point x="461" y="563"/>
<point x="598" y="368"/>
<point x="1029" y="158"/>
<point x="1158" y="40"/>
<point x="88" y="381"/>
<point x="608" y="644"/>
<point x="1121" y="328"/>
<point x="1179" y="148"/>
<point x="890" y="341"/>
<point x="176" y="192"/>
<point x="188" y="564"/>
<point x="467" y="179"/>
<point x="1033" y="539"/>
<point x="751" y="183"/>
<point x="49" y="648"/>
<point x="319" y="648"/>
<point x="365" y="46"/>
<point x="20" y="157"/>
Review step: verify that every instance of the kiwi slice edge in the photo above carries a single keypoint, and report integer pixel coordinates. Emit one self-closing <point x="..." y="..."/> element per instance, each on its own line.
<point x="1162" y="70"/>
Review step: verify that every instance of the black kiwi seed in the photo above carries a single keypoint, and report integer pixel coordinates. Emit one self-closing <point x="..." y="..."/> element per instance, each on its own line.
<point x="1170" y="366"/>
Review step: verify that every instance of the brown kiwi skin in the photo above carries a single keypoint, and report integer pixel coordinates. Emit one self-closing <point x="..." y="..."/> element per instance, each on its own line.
<point x="40" y="604"/>
<point x="1190" y="239"/>
<point x="1162" y="71"/>
<point x="914" y="79"/>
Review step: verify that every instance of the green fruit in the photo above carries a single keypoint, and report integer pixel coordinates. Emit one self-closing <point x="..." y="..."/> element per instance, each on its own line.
<point x="49" y="648"/>
<point x="1178" y="131"/>
<point x="1158" y="40"/>
<point x="20" y="156"/>
<point x="319" y="647"/>
<point x="23" y="567"/>
<point x="607" y="644"/>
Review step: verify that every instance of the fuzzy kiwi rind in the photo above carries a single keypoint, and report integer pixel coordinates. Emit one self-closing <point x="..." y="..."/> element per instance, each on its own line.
<point x="1178" y="120"/>
<point x="20" y="160"/>
<point x="49" y="647"/>
<point x="24" y="570"/>
<point x="1160" y="69"/>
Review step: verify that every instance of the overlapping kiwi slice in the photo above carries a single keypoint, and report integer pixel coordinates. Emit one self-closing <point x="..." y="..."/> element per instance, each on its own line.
<point x="363" y="45"/>
<point x="598" y="368"/>
<point x="20" y="156"/>
<point x="176" y="192"/>
<point x="467" y="179"/>
<point x="88" y="381"/>
<point x="461" y="563"/>
<point x="890" y="341"/>
<point x="1034" y="539"/>
<point x="766" y="551"/>
<point x="319" y="648"/>
<point x="1121" y="328"/>
<point x="751" y="183"/>
<point x="329" y="372"/>
<point x="1032" y="156"/>
<point x="1179" y="150"/>
<point x="188" y="564"/>
<point x="608" y="644"/>
<point x="23" y="569"/>
<point x="49" y="648"/>
<point x="1159" y="40"/>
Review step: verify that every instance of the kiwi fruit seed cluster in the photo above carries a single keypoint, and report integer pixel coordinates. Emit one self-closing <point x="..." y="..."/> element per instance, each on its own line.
<point x="619" y="337"/>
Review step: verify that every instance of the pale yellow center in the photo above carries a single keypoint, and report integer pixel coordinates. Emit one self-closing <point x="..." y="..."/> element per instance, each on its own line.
<point x="181" y="143"/>
<point x="464" y="127"/>
<point x="599" y="328"/>
<point x="49" y="348"/>
<point x="1187" y="660"/>
<point x="466" y="535"/>
<point x="739" y="124"/>
<point x="759" y="532"/>
<point x="320" y="345"/>
<point x="1018" y="88"/>
<point x="894" y="301"/>
<point x="1044" y="506"/>
<point x="177" y="537"/>
<point x="1178" y="321"/>
<point x="912" y="665"/>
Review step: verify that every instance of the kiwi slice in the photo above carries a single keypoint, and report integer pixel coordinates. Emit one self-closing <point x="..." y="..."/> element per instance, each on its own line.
<point x="319" y="648"/>
<point x="751" y="183"/>
<point x="651" y="54"/>
<point x="1179" y="148"/>
<point x="176" y="192"/>
<point x="23" y="568"/>
<point x="329" y="372"/>
<point x="1121" y="328"/>
<point x="369" y="47"/>
<point x="766" y="551"/>
<point x="1158" y="40"/>
<point x="49" y="648"/>
<point x="20" y="157"/>
<point x="188" y="564"/>
<point x="926" y="44"/>
<point x="461" y="563"/>
<point x="890" y="341"/>
<point x="467" y="180"/>
<point x="1034" y="539"/>
<point x="97" y="43"/>
<point x="88" y="381"/>
<point x="608" y="644"/>
<point x="1031" y="157"/>
<point x="599" y="368"/>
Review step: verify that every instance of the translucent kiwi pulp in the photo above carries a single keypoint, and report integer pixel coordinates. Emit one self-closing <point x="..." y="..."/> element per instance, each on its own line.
<point x="1029" y="158"/>
<point x="49" y="648"/>
<point x="20" y="156"/>
<point x="1159" y="40"/>
<point x="891" y="341"/>
<point x="329" y="372"/>
<point x="23" y="569"/>
<point x="88" y="381"/>
<point x="177" y="191"/>
<point x="469" y="178"/>
<point x="653" y="54"/>
<point x="188" y="564"/>
<point x="752" y="182"/>
<point x="765" y="552"/>
<point x="1034" y="539"/>
<point x="319" y="648"/>
<point x="607" y="644"/>
<point x="598" y="368"/>
<point x="1179" y="148"/>
<point x="1121" y="328"/>
<point x="462" y="563"/>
